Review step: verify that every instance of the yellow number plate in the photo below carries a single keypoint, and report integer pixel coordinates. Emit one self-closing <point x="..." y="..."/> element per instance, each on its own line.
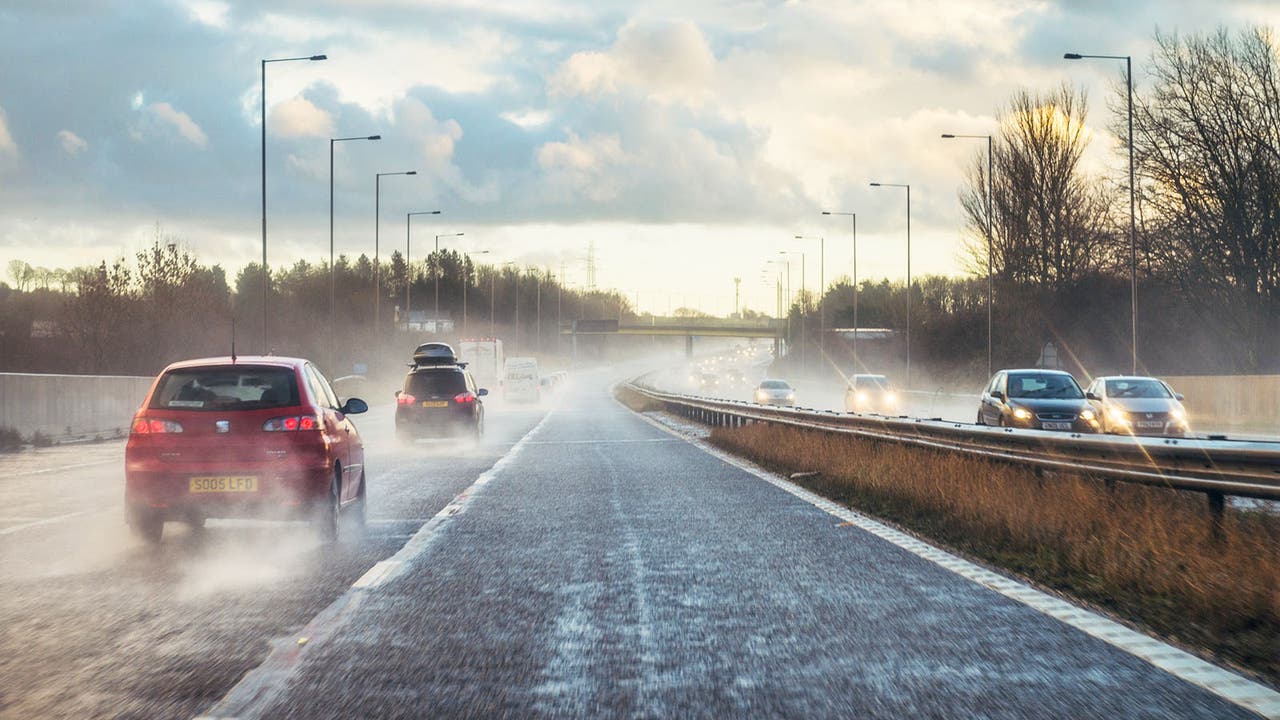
<point x="435" y="403"/>
<point x="224" y="483"/>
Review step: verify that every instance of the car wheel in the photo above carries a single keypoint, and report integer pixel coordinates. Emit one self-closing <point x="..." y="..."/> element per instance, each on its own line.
<point x="328" y="510"/>
<point x="980" y="420"/>
<point x="147" y="525"/>
<point x="1002" y="421"/>
<point x="480" y="427"/>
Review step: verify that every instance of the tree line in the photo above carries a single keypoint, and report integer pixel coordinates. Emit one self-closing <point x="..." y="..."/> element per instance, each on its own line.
<point x="1206" y="142"/>
<point x="133" y="316"/>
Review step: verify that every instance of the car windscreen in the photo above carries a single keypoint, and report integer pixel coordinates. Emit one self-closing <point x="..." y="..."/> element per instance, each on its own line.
<point x="871" y="383"/>
<point x="774" y="385"/>
<point x="225" y="388"/>
<point x="1137" y="388"/>
<point x="435" y="383"/>
<point x="1050" y="386"/>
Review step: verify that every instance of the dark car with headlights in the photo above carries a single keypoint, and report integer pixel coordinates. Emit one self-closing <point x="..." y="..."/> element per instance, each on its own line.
<point x="1038" y="400"/>
<point x="440" y="399"/>
<point x="1130" y="405"/>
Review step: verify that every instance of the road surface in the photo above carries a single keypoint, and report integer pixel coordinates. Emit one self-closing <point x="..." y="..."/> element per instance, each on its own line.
<point x="581" y="562"/>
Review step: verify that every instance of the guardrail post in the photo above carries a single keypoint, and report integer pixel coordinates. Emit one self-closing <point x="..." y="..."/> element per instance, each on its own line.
<point x="1217" y="512"/>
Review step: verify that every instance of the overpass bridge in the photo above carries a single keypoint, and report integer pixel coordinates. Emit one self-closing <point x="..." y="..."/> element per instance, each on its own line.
<point x="687" y="327"/>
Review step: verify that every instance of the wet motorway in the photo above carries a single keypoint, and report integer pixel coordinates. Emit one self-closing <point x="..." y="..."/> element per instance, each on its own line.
<point x="579" y="562"/>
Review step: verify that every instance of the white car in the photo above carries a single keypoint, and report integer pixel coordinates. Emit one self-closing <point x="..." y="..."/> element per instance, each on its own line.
<point x="1134" y="405"/>
<point x="775" y="392"/>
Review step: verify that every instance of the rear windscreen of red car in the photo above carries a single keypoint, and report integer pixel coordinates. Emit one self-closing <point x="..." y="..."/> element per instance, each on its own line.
<point x="435" y="384"/>
<point x="226" y="388"/>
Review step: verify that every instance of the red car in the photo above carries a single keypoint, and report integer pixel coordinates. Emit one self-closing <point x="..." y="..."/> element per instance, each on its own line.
<point x="243" y="437"/>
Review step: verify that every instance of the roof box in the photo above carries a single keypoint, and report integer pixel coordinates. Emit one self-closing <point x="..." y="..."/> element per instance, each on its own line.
<point x="435" y="353"/>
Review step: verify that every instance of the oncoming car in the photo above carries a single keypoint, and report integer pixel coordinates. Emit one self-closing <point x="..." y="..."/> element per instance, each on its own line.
<point x="870" y="393"/>
<point x="243" y="437"/>
<point x="775" y="392"/>
<point x="1036" y="399"/>
<point x="1137" y="406"/>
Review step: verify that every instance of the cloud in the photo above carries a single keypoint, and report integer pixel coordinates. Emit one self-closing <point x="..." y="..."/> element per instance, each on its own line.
<point x="667" y="61"/>
<point x="7" y="145"/>
<point x="298" y="117"/>
<point x="181" y="122"/>
<point x="578" y="167"/>
<point x="72" y="144"/>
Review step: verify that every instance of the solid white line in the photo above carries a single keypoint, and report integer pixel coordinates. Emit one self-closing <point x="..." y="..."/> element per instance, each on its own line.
<point x="45" y="521"/>
<point x="602" y="442"/>
<point x="61" y="468"/>
<point x="260" y="687"/>
<point x="1225" y="684"/>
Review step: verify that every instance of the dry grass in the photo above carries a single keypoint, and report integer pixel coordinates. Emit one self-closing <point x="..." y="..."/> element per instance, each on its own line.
<point x="635" y="400"/>
<point x="1145" y="554"/>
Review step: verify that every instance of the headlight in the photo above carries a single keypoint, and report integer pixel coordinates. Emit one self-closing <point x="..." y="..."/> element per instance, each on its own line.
<point x="1022" y="414"/>
<point x="791" y="396"/>
<point x="890" y="399"/>
<point x="862" y="397"/>
<point x="1087" y="414"/>
<point x="1178" y="414"/>
<point x="1118" y="416"/>
<point x="762" y="395"/>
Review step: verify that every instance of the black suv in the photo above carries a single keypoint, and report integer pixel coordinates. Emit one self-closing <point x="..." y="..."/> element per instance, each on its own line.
<point x="439" y="399"/>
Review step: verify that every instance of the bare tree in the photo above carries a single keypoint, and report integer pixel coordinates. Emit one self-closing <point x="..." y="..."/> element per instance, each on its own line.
<point x="1207" y="144"/>
<point x="1050" y="221"/>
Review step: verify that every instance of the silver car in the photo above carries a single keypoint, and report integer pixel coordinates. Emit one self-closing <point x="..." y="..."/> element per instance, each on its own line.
<point x="1132" y="405"/>
<point x="775" y="392"/>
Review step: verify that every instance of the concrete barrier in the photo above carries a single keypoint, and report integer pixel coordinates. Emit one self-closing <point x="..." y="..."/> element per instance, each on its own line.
<point x="1231" y="402"/>
<point x="70" y="406"/>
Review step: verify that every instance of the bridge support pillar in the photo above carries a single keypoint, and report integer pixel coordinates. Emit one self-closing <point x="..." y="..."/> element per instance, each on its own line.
<point x="688" y="346"/>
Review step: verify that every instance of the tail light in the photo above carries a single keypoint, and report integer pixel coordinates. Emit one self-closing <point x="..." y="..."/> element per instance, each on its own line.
<point x="292" y="423"/>
<point x="405" y="399"/>
<point x="465" y="398"/>
<point x="153" y="426"/>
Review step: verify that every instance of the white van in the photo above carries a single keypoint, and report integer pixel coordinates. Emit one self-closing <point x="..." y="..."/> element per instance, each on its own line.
<point x="520" y="381"/>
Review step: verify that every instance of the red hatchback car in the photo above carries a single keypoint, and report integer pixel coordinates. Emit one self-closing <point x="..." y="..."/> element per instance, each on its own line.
<point x="243" y="437"/>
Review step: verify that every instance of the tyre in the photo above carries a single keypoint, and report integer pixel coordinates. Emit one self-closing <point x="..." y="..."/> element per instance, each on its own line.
<point x="1002" y="422"/>
<point x="980" y="420"/>
<point x="146" y="525"/>
<point x="328" y="510"/>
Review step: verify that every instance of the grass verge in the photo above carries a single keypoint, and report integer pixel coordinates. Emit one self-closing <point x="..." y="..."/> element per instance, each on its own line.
<point x="636" y="401"/>
<point x="1144" y="554"/>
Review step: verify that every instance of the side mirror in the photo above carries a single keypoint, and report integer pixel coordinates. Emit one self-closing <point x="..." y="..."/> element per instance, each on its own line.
<point x="482" y="392"/>
<point x="354" y="406"/>
<point x="997" y="394"/>
<point x="1091" y="396"/>
<point x="398" y="393"/>
<point x="1178" y="396"/>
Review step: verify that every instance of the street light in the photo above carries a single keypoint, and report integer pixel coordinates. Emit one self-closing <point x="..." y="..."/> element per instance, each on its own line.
<point x="437" y="274"/>
<point x="377" y="270"/>
<point x="990" y="234"/>
<point x="1133" y="221"/>
<point x="408" y="266"/>
<point x="908" y="189"/>
<point x="822" y="292"/>
<point x="333" y="278"/>
<point x="854" y="218"/>
<point x="266" y="282"/>
<point x="466" y="280"/>
<point x="804" y="326"/>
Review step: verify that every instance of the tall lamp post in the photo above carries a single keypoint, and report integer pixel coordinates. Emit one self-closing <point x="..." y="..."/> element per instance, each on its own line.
<point x="408" y="266"/>
<point x="437" y="274"/>
<point x="1133" y="220"/>
<point x="854" y="218"/>
<point x="266" y="282"/>
<point x="804" y="326"/>
<point x="466" y="280"/>
<point x="991" y="238"/>
<point x="333" y="276"/>
<point x="822" y="293"/>
<point x="908" y="189"/>
<point x="377" y="268"/>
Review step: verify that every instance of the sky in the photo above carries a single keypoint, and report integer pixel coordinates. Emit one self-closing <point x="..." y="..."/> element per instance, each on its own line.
<point x="691" y="141"/>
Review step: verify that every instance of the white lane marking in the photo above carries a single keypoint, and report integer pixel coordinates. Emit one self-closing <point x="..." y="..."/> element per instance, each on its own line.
<point x="1227" y="685"/>
<point x="61" y="468"/>
<point x="260" y="687"/>
<point x="45" y="521"/>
